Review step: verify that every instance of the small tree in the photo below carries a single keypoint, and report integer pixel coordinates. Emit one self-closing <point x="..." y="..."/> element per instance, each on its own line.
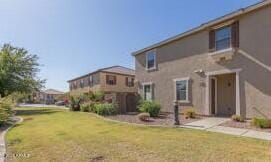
<point x="18" y="71"/>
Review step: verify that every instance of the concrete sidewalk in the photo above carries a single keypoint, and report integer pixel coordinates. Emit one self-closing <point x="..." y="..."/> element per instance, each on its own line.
<point x="212" y="125"/>
<point x="17" y="120"/>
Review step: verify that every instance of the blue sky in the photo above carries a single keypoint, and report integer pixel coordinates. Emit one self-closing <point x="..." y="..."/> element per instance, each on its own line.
<point x="74" y="37"/>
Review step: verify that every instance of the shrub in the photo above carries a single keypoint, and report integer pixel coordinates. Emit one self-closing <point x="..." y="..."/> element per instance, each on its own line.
<point x="150" y="107"/>
<point x="105" y="109"/>
<point x="5" y="110"/>
<point x="91" y="106"/>
<point x="190" y="113"/>
<point x="84" y="107"/>
<point x="261" y="122"/>
<point x="237" y="118"/>
<point x="97" y="96"/>
<point x="144" y="116"/>
<point x="75" y="103"/>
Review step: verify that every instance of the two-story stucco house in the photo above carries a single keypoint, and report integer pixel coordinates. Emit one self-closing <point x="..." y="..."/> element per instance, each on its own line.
<point x="116" y="82"/>
<point x="222" y="67"/>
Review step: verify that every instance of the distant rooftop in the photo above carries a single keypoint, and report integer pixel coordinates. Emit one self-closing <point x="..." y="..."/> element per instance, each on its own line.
<point x="53" y="91"/>
<point x="113" y="69"/>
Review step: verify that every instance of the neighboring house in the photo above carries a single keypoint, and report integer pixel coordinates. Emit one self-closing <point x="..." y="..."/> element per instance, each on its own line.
<point x="117" y="82"/>
<point x="222" y="67"/>
<point x="48" y="96"/>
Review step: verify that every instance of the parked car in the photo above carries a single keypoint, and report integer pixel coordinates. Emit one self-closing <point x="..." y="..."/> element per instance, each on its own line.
<point x="60" y="103"/>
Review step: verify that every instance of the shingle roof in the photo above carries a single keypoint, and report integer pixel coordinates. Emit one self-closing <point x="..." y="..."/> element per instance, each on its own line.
<point x="119" y="70"/>
<point x="204" y="26"/>
<point x="53" y="91"/>
<point x="113" y="69"/>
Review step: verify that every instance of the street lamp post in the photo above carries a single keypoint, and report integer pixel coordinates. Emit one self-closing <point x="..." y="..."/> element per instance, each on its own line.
<point x="176" y="113"/>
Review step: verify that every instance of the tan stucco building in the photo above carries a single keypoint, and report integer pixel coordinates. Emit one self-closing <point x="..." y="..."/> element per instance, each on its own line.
<point x="222" y="67"/>
<point x="116" y="82"/>
<point x="48" y="96"/>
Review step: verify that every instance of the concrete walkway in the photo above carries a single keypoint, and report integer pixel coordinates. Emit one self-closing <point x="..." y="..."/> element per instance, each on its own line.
<point x="212" y="125"/>
<point x="2" y="139"/>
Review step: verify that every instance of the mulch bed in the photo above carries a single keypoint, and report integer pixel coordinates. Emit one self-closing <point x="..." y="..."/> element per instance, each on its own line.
<point x="165" y="119"/>
<point x="244" y="125"/>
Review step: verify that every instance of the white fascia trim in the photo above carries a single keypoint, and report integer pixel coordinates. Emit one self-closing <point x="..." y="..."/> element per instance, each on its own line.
<point x="206" y="25"/>
<point x="147" y="83"/>
<point x="225" y="71"/>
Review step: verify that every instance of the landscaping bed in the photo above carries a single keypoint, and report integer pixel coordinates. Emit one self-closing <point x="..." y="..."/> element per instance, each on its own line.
<point x="245" y="125"/>
<point x="165" y="119"/>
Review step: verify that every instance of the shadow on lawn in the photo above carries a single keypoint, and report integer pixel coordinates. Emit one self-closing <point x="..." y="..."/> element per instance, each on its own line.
<point x="35" y="112"/>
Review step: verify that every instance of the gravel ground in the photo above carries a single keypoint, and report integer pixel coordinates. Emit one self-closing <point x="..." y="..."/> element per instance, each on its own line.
<point x="245" y="125"/>
<point x="165" y="119"/>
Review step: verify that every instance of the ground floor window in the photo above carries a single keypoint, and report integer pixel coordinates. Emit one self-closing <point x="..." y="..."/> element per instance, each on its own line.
<point x="181" y="89"/>
<point x="147" y="88"/>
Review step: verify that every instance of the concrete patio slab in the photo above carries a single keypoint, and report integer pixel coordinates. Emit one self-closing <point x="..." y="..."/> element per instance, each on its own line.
<point x="228" y="130"/>
<point x="206" y="123"/>
<point x="258" y="135"/>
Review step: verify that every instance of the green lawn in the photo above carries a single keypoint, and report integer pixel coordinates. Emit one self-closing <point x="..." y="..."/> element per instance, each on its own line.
<point x="60" y="135"/>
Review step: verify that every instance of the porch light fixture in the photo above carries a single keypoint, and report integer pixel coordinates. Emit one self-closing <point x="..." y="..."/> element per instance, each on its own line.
<point x="200" y="71"/>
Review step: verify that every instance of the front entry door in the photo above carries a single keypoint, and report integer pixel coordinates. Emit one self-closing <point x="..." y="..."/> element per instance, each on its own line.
<point x="226" y="95"/>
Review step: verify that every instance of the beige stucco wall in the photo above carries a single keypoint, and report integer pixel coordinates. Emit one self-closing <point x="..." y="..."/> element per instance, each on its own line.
<point x="120" y="85"/>
<point x="86" y="88"/>
<point x="181" y="58"/>
<point x="99" y="80"/>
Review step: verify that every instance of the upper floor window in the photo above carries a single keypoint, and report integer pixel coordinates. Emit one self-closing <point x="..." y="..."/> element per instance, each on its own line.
<point x="90" y="81"/>
<point x="74" y="84"/>
<point x="111" y="80"/>
<point x="129" y="82"/>
<point x="223" y="38"/>
<point x="70" y="86"/>
<point x="181" y="89"/>
<point x="150" y="60"/>
<point x="81" y="83"/>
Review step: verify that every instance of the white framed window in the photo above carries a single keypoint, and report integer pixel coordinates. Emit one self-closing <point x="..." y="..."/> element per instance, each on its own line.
<point x="181" y="88"/>
<point x="148" y="91"/>
<point x="223" y="38"/>
<point x="151" y="60"/>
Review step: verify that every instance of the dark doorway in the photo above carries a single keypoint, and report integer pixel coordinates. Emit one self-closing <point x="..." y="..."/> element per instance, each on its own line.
<point x="213" y="95"/>
<point x="131" y="103"/>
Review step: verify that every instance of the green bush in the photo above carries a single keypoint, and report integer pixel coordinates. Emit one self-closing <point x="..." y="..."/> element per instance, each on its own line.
<point x="190" y="113"/>
<point x="237" y="118"/>
<point x="144" y="116"/>
<point x="261" y="122"/>
<point x="150" y="107"/>
<point x="75" y="103"/>
<point x="105" y="109"/>
<point x="5" y="110"/>
<point x="85" y="107"/>
<point x="97" y="96"/>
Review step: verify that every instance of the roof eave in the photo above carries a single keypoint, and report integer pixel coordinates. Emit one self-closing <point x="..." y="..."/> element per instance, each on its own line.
<point x="206" y="25"/>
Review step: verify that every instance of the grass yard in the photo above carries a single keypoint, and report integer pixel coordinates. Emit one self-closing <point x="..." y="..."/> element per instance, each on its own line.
<point x="60" y="135"/>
